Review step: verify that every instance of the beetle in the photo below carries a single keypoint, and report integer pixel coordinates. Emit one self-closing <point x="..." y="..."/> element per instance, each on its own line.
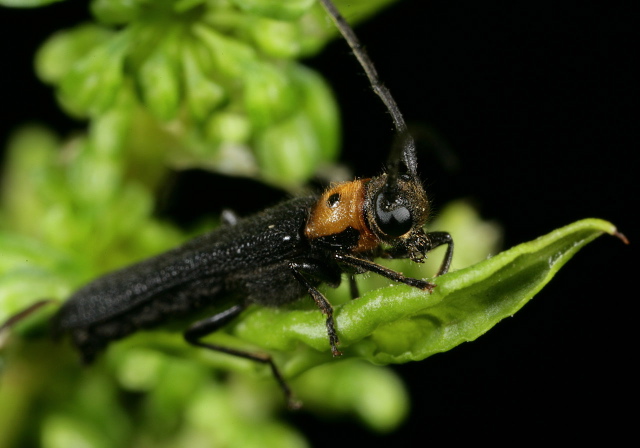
<point x="273" y="258"/>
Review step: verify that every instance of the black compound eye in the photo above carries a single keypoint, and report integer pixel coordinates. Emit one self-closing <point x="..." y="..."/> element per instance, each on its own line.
<point x="333" y="200"/>
<point x="393" y="220"/>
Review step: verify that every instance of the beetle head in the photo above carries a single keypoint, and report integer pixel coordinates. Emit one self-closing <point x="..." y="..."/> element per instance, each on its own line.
<point x="396" y="205"/>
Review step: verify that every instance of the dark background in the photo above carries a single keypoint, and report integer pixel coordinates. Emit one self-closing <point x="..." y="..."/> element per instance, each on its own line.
<point x="536" y="103"/>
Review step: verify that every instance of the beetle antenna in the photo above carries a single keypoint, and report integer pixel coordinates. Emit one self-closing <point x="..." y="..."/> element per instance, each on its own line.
<point x="404" y="148"/>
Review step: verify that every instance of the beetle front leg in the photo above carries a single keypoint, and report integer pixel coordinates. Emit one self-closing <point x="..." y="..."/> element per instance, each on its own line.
<point x="438" y="239"/>
<point x="383" y="271"/>
<point x="431" y="241"/>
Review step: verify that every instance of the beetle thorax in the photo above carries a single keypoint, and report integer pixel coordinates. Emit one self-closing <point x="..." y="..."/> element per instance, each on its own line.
<point x="340" y="208"/>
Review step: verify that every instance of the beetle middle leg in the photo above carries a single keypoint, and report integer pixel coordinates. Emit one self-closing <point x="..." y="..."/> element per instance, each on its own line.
<point x="207" y="326"/>
<point x="333" y="279"/>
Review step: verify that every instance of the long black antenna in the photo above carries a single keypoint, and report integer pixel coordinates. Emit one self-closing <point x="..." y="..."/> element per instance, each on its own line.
<point x="404" y="148"/>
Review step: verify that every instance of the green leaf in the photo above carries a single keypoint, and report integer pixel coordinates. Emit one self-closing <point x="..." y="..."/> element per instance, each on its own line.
<point x="398" y="324"/>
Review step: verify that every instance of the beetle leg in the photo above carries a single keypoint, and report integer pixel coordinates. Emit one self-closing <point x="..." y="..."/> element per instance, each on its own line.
<point x="14" y="319"/>
<point x="353" y="287"/>
<point x="385" y="272"/>
<point x="321" y="301"/>
<point x="438" y="239"/>
<point x="207" y="326"/>
<point x="393" y="253"/>
<point x="432" y="240"/>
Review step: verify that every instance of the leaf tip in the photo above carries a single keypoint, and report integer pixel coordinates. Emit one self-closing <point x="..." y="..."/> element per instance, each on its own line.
<point x="620" y="236"/>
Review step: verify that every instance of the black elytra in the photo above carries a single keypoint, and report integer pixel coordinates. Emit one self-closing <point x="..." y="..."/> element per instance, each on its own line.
<point x="275" y="257"/>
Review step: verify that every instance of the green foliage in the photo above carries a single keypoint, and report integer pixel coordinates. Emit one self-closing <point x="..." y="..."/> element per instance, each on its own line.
<point x="180" y="67"/>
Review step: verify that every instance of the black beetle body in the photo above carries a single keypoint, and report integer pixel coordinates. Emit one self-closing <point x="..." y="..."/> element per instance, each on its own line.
<point x="247" y="262"/>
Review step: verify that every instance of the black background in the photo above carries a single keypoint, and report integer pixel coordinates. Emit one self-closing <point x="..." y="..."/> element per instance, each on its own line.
<point x="536" y="103"/>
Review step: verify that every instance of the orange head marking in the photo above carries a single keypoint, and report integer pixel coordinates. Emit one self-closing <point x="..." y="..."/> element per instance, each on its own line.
<point x="339" y="208"/>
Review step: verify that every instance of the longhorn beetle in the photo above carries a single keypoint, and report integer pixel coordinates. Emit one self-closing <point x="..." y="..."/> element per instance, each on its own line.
<point x="273" y="258"/>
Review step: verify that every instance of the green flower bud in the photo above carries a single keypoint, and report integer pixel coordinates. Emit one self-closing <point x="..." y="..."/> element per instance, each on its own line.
<point x="60" y="52"/>
<point x="92" y="84"/>
<point x="288" y="152"/>
<point x="93" y="177"/>
<point x="108" y="133"/>
<point x="185" y="5"/>
<point x="276" y="38"/>
<point x="139" y="369"/>
<point x="269" y="96"/>
<point x="127" y="214"/>
<point x="203" y="94"/>
<point x="375" y="394"/>
<point x="31" y="179"/>
<point x="228" y="127"/>
<point x="115" y="12"/>
<point x="282" y="10"/>
<point x="159" y="80"/>
<point x="229" y="57"/>
<point x="319" y="105"/>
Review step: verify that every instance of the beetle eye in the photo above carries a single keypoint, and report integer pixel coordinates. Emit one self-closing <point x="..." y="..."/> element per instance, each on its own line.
<point x="393" y="219"/>
<point x="333" y="200"/>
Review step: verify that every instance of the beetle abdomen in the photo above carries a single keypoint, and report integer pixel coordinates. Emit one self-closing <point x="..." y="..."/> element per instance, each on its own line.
<point x="237" y="261"/>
